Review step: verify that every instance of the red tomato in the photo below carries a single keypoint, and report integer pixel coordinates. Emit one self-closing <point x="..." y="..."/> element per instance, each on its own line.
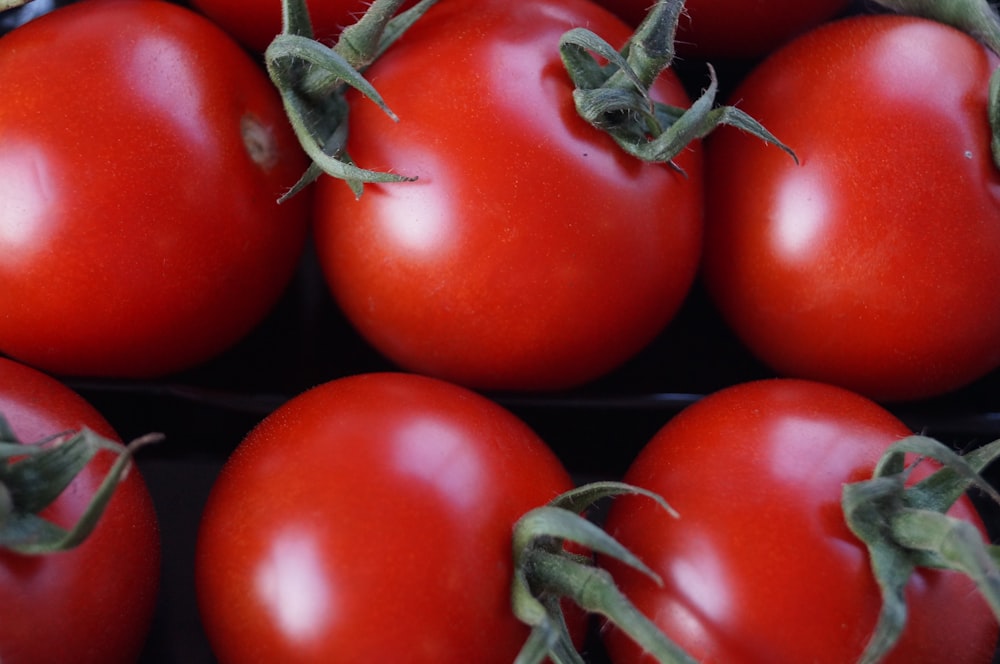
<point x="736" y="28"/>
<point x="94" y="603"/>
<point x="370" y="519"/>
<point x="761" y="566"/>
<point x="141" y="155"/>
<point x="256" y="22"/>
<point x="532" y="252"/>
<point x="875" y="264"/>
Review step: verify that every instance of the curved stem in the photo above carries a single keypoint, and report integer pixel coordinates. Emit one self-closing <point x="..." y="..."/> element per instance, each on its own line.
<point x="905" y="527"/>
<point x="312" y="78"/>
<point x="615" y="97"/>
<point x="32" y="476"/>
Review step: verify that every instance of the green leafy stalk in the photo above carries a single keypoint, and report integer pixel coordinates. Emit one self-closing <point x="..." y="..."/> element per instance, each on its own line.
<point x="615" y="97"/>
<point x="32" y="476"/>
<point x="313" y="78"/>
<point x="546" y="573"/>
<point x="905" y="528"/>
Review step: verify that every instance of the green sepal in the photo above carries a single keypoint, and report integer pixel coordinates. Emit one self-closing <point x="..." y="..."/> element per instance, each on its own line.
<point x="545" y="573"/>
<point x="32" y="476"/>
<point x="312" y="79"/>
<point x="993" y="110"/>
<point x="614" y="97"/>
<point x="905" y="528"/>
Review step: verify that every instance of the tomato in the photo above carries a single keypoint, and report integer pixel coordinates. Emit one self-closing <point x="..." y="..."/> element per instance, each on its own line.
<point x="532" y="252"/>
<point x="93" y="603"/>
<point x="760" y="565"/>
<point x="254" y="23"/>
<point x="141" y="156"/>
<point x="370" y="519"/>
<point x="736" y="28"/>
<point x="875" y="263"/>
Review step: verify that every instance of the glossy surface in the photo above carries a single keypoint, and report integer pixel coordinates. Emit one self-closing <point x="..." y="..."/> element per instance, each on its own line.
<point x="93" y="604"/>
<point x="760" y="566"/>
<point x="369" y="519"/>
<point x="138" y="221"/>
<point x="254" y="23"/>
<point x="876" y="263"/>
<point x="531" y="252"/>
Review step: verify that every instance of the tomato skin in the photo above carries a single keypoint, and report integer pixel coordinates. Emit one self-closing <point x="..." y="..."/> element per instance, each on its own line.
<point x="370" y="519"/>
<point x="138" y="222"/>
<point x="740" y="29"/>
<point x="760" y="566"/>
<point x="254" y="23"/>
<point x="736" y="28"/>
<point x="531" y="253"/>
<point x="95" y="603"/>
<point x="876" y="263"/>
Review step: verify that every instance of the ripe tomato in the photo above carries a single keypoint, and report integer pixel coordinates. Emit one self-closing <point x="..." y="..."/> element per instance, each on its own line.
<point x="736" y="28"/>
<point x="761" y="566"/>
<point x="254" y="23"/>
<point x="94" y="603"/>
<point x="532" y="252"/>
<point x="875" y="264"/>
<point x="370" y="519"/>
<point x="141" y="155"/>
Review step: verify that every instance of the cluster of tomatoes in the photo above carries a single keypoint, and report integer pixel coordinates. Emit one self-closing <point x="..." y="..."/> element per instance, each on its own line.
<point x="387" y="375"/>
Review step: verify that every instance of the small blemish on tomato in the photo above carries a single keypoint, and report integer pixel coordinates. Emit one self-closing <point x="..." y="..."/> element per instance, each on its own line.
<point x="259" y="142"/>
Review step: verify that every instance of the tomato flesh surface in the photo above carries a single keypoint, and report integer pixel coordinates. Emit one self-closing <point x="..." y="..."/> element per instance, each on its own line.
<point x="735" y="28"/>
<point x="875" y="264"/>
<point x="141" y="156"/>
<point x="93" y="604"/>
<point x="254" y="23"/>
<point x="370" y="519"/>
<point x="531" y="253"/>
<point x="761" y="566"/>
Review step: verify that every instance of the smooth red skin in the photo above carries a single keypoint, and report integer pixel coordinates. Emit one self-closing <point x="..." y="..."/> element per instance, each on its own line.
<point x="370" y="519"/>
<point x="736" y="28"/>
<point x="95" y="603"/>
<point x="139" y="236"/>
<point x="760" y="566"/>
<point x="254" y="23"/>
<point x="532" y="253"/>
<point x="876" y="263"/>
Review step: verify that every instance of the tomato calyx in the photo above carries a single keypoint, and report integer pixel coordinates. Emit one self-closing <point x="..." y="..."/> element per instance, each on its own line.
<point x="905" y="528"/>
<point x="33" y="475"/>
<point x="312" y="79"/>
<point x="546" y="572"/>
<point x="976" y="18"/>
<point x="615" y="97"/>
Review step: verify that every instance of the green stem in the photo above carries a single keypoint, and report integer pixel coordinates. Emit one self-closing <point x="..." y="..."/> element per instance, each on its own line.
<point x="615" y="98"/>
<point x="312" y="80"/>
<point x="32" y="476"/>
<point x="593" y="590"/>
<point x="905" y="527"/>
<point x="545" y="573"/>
